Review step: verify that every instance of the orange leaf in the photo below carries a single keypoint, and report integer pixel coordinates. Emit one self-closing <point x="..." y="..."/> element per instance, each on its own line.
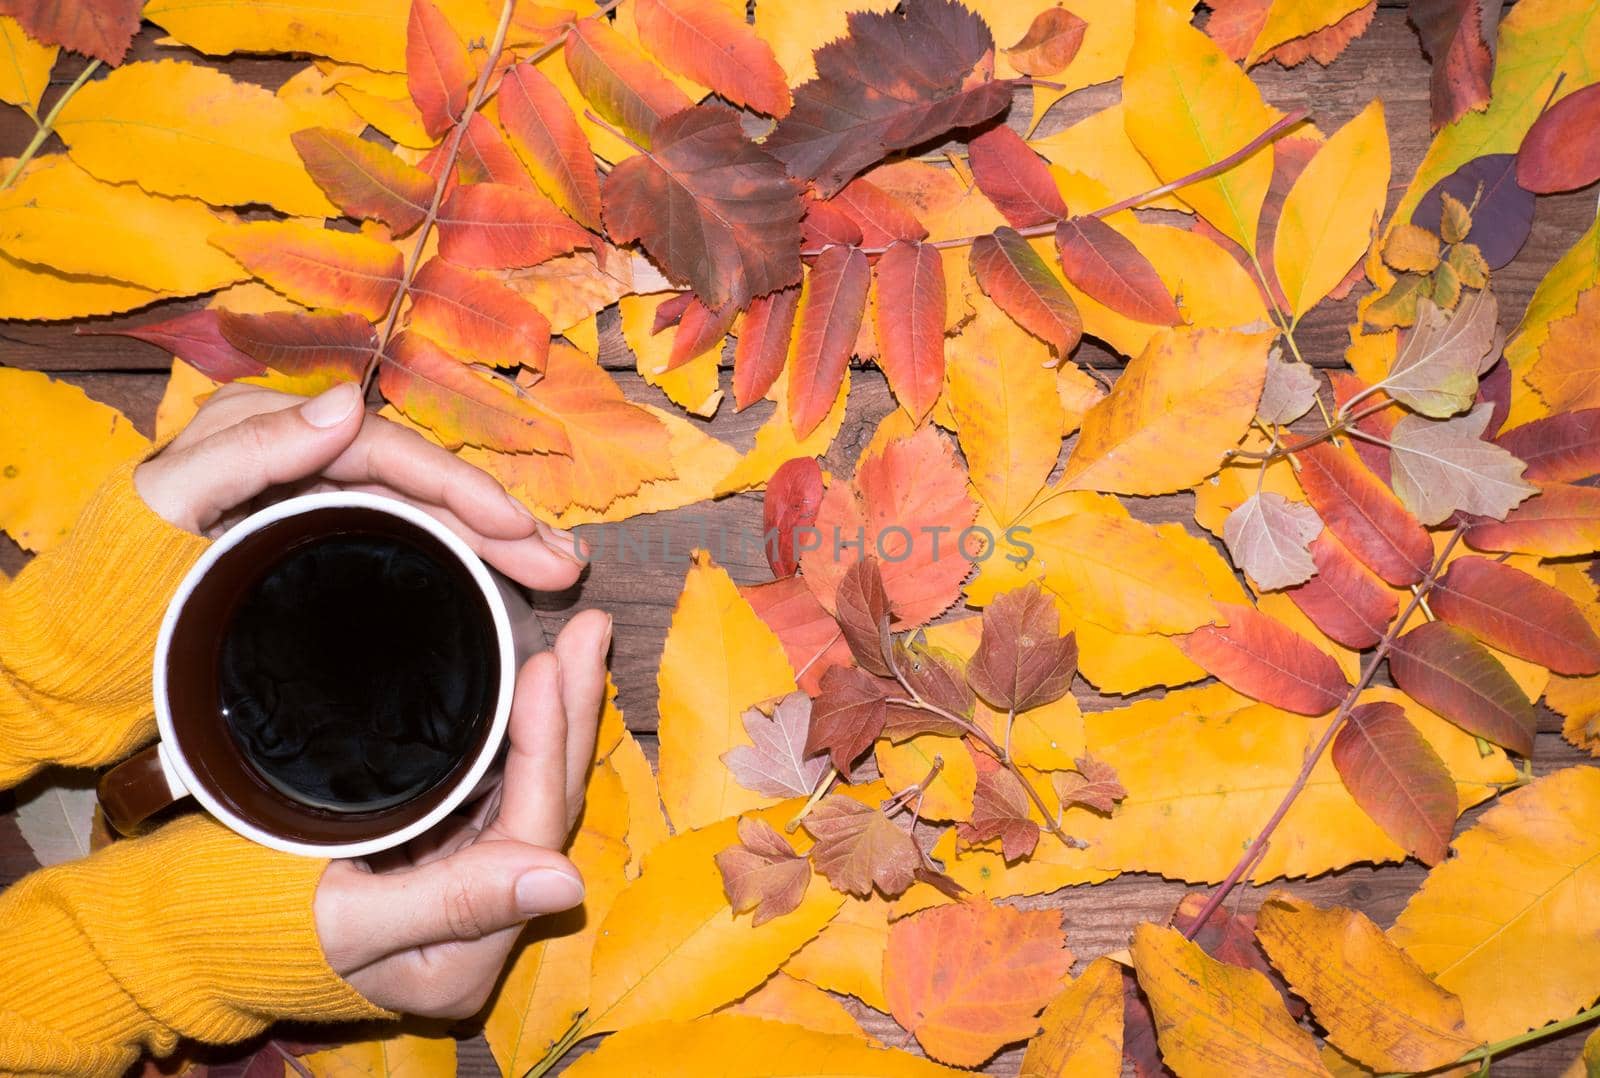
<point x="621" y="83"/>
<point x="438" y="69"/>
<point x="810" y="637"/>
<point x="493" y="226"/>
<point x="1011" y="273"/>
<point x="1266" y="660"/>
<point x="711" y="44"/>
<point x="1365" y="514"/>
<point x="460" y="406"/>
<point x="910" y="316"/>
<point x="303" y="344"/>
<point x="882" y="218"/>
<point x="1109" y="268"/>
<point x="316" y="266"/>
<point x="546" y="135"/>
<point x="831" y="307"/>
<point x="1397" y="778"/>
<point x="363" y="179"/>
<point x="763" y="345"/>
<point x="477" y="317"/>
<point x="1014" y="178"/>
<point x="485" y="157"/>
<point x="969" y="978"/>
<point x="1562" y="521"/>
<point x="1052" y="40"/>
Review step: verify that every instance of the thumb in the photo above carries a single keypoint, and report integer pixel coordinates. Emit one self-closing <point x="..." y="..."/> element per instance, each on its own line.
<point x="194" y="487"/>
<point x="476" y="891"/>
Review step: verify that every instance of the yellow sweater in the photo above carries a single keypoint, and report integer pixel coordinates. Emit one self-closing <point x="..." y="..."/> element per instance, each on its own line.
<point x="188" y="932"/>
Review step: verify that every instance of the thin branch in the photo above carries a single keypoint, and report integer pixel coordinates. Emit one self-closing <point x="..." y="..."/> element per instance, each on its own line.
<point x="1380" y="653"/>
<point x="47" y="125"/>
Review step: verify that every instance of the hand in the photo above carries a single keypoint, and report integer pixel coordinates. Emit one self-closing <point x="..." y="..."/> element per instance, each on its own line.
<point x="247" y="442"/>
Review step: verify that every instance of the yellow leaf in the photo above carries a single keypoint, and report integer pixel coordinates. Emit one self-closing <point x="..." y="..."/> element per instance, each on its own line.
<point x="186" y="389"/>
<point x="847" y="955"/>
<point x="570" y="289"/>
<point x="56" y="447"/>
<point x="719" y="660"/>
<point x="1011" y="564"/>
<point x="1332" y="210"/>
<point x="24" y="66"/>
<point x="181" y="129"/>
<point x="59" y="216"/>
<point x="784" y="999"/>
<point x="775" y="441"/>
<point x="1178" y="407"/>
<point x="1377" y="1006"/>
<point x="1119" y="573"/>
<point x="693" y="386"/>
<point x="1188" y="106"/>
<point x="311" y="93"/>
<point x="949" y="796"/>
<point x="1290" y="19"/>
<point x="1511" y="923"/>
<point x="728" y="1044"/>
<point x="603" y="139"/>
<point x="647" y="827"/>
<point x="1008" y="413"/>
<point x="1098" y="147"/>
<point x="404" y="1055"/>
<point x="1216" y="1019"/>
<point x="1555" y="298"/>
<point x="671" y="948"/>
<point x="1125" y="662"/>
<point x="1082" y="1034"/>
<point x="382" y="100"/>
<point x="41" y="294"/>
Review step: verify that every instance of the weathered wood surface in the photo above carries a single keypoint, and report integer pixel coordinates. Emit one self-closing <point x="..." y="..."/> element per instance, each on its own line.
<point x="641" y="595"/>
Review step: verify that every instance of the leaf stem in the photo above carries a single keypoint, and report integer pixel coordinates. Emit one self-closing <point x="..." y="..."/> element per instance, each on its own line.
<point x="1379" y="654"/>
<point x="572" y="1036"/>
<point x="47" y="125"/>
<point x="816" y="796"/>
<point x="1489" y="1051"/>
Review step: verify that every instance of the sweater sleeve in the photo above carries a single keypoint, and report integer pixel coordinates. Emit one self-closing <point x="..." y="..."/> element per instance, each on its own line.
<point x="77" y="627"/>
<point x="190" y="932"/>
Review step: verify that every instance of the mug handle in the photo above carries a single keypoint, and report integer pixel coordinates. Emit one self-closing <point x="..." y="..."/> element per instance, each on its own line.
<point x="137" y="789"/>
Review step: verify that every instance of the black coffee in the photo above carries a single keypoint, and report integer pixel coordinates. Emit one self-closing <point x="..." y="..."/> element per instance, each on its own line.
<point x="357" y="671"/>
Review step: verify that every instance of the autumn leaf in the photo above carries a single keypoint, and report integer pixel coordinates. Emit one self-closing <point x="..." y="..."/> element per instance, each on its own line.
<point x="1289" y="391"/>
<point x="461" y="406"/>
<point x="407" y="1055"/>
<point x="1270" y="537"/>
<point x="548" y="140"/>
<point x="711" y="44"/>
<point x="1397" y="778"/>
<point x="1502" y="208"/>
<point x="316" y="266"/>
<point x="1459" y="37"/>
<point x="939" y="677"/>
<point x="1451" y="674"/>
<point x="1507" y="609"/>
<point x="910" y="316"/>
<point x="495" y="226"/>
<point x="364" y="179"/>
<point x="1562" y="520"/>
<point x="619" y="80"/>
<point x="793" y="494"/>
<point x="763" y="344"/>
<point x="102" y="29"/>
<point x="1554" y="155"/>
<point x="882" y="218"/>
<point x="196" y="338"/>
<point x="1082" y="1027"/>
<point x="832" y="304"/>
<point x="1119" y="573"/>
<point x="484" y="156"/>
<point x="969" y="978"/>
<point x="794" y="1002"/>
<point x="859" y="848"/>
<point x="1364" y="514"/>
<point x="862" y="608"/>
<point x="477" y="317"/>
<point x="438" y="69"/>
<point x="763" y="873"/>
<point x="27" y="73"/>
<point x="1013" y="177"/>
<point x="896" y="81"/>
<point x="1442" y="467"/>
<point x="1093" y="785"/>
<point x="1012" y="274"/>
<point x="1109" y="269"/>
<point x="325" y="346"/>
<point x="1023" y="661"/>
<point x="847" y="715"/>
<point x="775" y="762"/>
<point x="1265" y="659"/>
<point x="1001" y="810"/>
<point x="1052" y="40"/>
<point x="1557" y="449"/>
<point x="1436" y="370"/>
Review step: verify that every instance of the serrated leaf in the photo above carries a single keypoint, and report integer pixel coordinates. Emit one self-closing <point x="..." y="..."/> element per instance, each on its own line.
<point x="847" y="715"/>
<point x="859" y="848"/>
<point x="910" y="316"/>
<point x="477" y="317"/>
<point x="496" y="226"/>
<point x="364" y="179"/>
<point x="1397" y="779"/>
<point x="1459" y="36"/>
<point x="1013" y="177"/>
<point x="1109" y="269"/>
<point x="1094" y="785"/>
<point x="461" y="406"/>
<point x="26" y="72"/>
<point x="317" y="267"/>
<point x="1022" y="661"/>
<point x="621" y="83"/>
<point x="438" y="69"/>
<point x="102" y="29"/>
<point x="1441" y="467"/>
<point x="547" y="137"/>
<point x="763" y="873"/>
<point x="709" y="42"/>
<point x="1261" y="657"/>
<point x="1560" y="448"/>
<point x="1269" y="537"/>
<point x="1562" y="521"/>
<point x="763" y="344"/>
<point x="1516" y="613"/>
<point x="862" y="607"/>
<point x="1454" y="676"/>
<point x="1364" y="514"/>
<point x="1345" y="600"/>
<point x="1436" y="370"/>
<point x="196" y="338"/>
<point x="1012" y="274"/>
<point x="832" y="304"/>
<point x="790" y="505"/>
<point x="775" y="763"/>
<point x="303" y="344"/>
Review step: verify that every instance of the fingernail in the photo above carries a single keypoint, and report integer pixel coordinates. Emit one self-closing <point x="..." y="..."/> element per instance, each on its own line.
<point x="605" y="637"/>
<point x="564" y="543"/>
<point x="548" y="890"/>
<point x="519" y="507"/>
<point x="333" y="407"/>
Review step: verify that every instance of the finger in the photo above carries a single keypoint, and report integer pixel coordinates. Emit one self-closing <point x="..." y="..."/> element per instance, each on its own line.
<point x="531" y="562"/>
<point x="533" y="800"/>
<point x="581" y="649"/>
<point x="475" y="892"/>
<point x="194" y="487"/>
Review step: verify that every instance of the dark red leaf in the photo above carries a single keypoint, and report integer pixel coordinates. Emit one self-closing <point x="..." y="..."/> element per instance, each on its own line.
<point x="831" y="309"/>
<point x="1000" y="809"/>
<point x="825" y="223"/>
<point x="196" y="338"/>
<point x="1397" y="779"/>
<point x="1110" y="269"/>
<point x="715" y="210"/>
<point x="763" y="345"/>
<point x="1011" y="273"/>
<point x="1267" y="661"/>
<point x="898" y="79"/>
<point x="1022" y="660"/>
<point x="301" y="344"/>
<point x="862" y="607"/>
<point x="793" y="494"/>
<point x="847" y="715"/>
<point x="495" y="226"/>
<point x="1345" y="599"/>
<point x="1459" y="37"/>
<point x="1504" y="213"/>
<point x="880" y="216"/>
<point x="102" y="29"/>
<point x="1560" y="152"/>
<point x="1558" y="448"/>
<point x="478" y="317"/>
<point x="363" y="179"/>
<point x="438" y="69"/>
<point x="1454" y="676"/>
<point x="1365" y="515"/>
<point x="1014" y="178"/>
<point x="1518" y="614"/>
<point x="910" y="317"/>
<point x="1378" y="424"/>
<point x="669" y="312"/>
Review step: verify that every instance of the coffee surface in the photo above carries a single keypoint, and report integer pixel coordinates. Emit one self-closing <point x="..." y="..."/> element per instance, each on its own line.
<point x="357" y="671"/>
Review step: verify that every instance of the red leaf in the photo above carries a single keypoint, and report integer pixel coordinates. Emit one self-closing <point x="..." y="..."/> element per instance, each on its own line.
<point x="712" y="44"/>
<point x="847" y="715"/>
<point x="1557" y="449"/>
<point x="862" y="607"/>
<point x="859" y="847"/>
<point x="624" y="87"/>
<point x="669" y="312"/>
<point x="1518" y="614"/>
<point x="316" y="266"/>
<point x="1397" y="779"/>
<point x="1378" y="424"/>
<point x="1365" y="515"/>
<point x="303" y="344"/>
<point x="831" y="308"/>
<point x="763" y="345"/>
<point x="1345" y="600"/>
<point x="910" y="317"/>
<point x="1559" y="152"/>
<point x="1459" y="37"/>
<point x="1561" y="521"/>
<point x="1267" y="661"/>
<point x="493" y="226"/>
<point x="363" y="179"/>
<point x="196" y="338"/>
<point x="711" y="207"/>
<point x="898" y="80"/>
<point x="438" y="69"/>
<point x="763" y="873"/>
<point x="1454" y="676"/>
<point x="458" y="405"/>
<point x="793" y="494"/>
<point x="485" y="157"/>
<point x="1000" y="809"/>
<point x="1014" y="178"/>
<point x="1022" y="660"/>
<point x="102" y="29"/>
<point x="477" y="317"/>
<point x="825" y="223"/>
<point x="1052" y="40"/>
<point x="808" y="633"/>
<point x="1111" y="270"/>
<point x="699" y="330"/>
<point x="1011" y="273"/>
<point x="546" y="135"/>
<point x="880" y="216"/>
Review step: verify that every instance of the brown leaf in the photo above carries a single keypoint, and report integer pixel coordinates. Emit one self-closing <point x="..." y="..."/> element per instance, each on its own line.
<point x="1454" y="676"/>
<point x="847" y="715"/>
<point x="1052" y="40"/>
<point x="1000" y="809"/>
<point x="859" y="847"/>
<point x="775" y="763"/>
<point x="303" y="344"/>
<point x="1022" y="661"/>
<point x="763" y="873"/>
<point x="1094" y="785"/>
<point x="790" y="505"/>
<point x="1397" y="778"/>
<point x="102" y="29"/>
<point x="1269" y="537"/>
<point x="862" y="607"/>
<point x="1109" y="268"/>
<point x="939" y="676"/>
